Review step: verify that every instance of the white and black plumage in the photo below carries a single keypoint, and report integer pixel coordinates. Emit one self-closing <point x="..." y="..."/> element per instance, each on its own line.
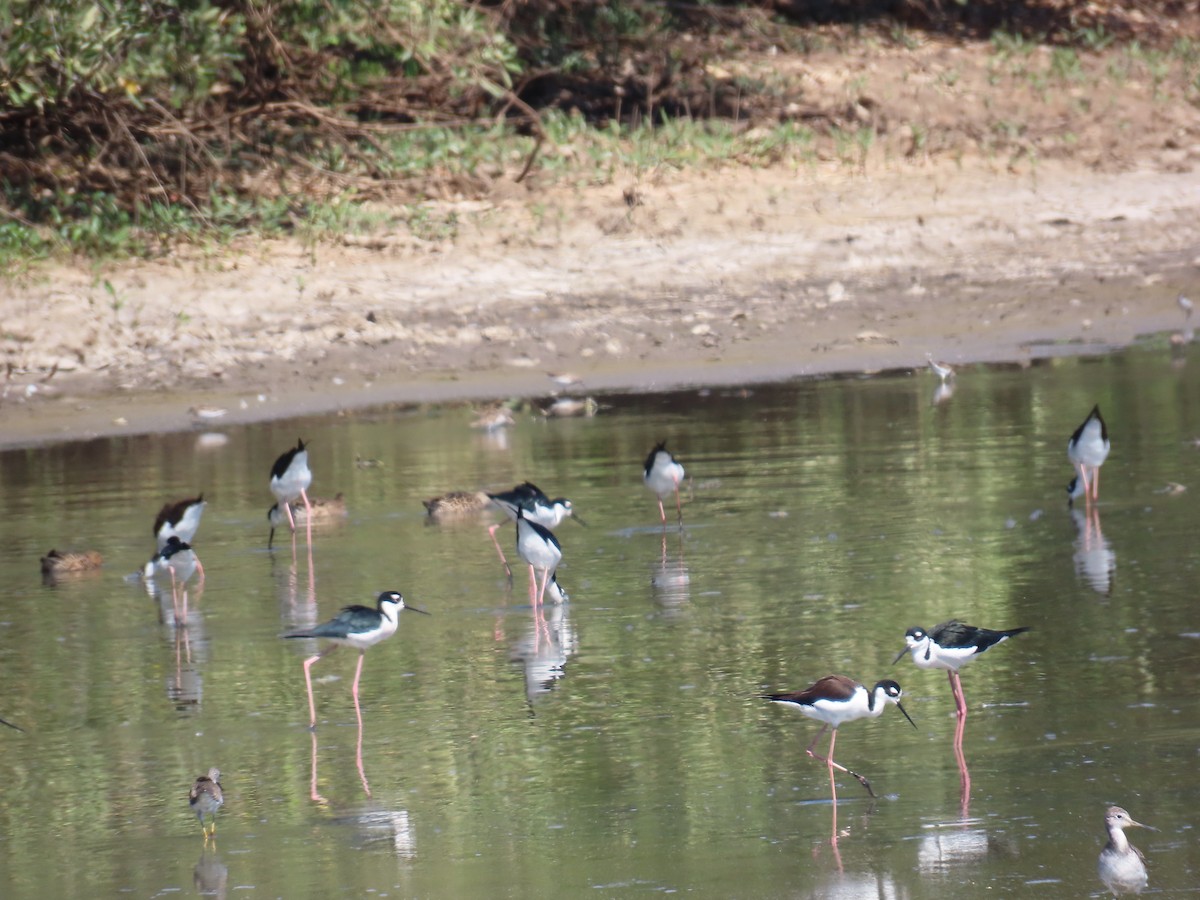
<point x="179" y="560"/>
<point x="180" y="519"/>
<point x="1122" y="867"/>
<point x="290" y="480"/>
<point x="205" y="798"/>
<point x="1087" y="450"/>
<point x="835" y="700"/>
<point x="663" y="474"/>
<point x="356" y="626"/>
<point x="542" y="552"/>
<point x="950" y="646"/>
<point x="532" y="502"/>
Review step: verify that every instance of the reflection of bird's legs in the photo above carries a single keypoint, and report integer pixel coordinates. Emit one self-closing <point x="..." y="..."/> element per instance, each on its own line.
<point x="312" y="786"/>
<point x="358" y="757"/>
<point x="964" y="776"/>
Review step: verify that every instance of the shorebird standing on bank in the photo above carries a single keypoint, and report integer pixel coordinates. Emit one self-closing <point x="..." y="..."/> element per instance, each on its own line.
<point x="835" y="700"/>
<point x="942" y="370"/>
<point x="290" y="480"/>
<point x="663" y="474"/>
<point x="1087" y="450"/>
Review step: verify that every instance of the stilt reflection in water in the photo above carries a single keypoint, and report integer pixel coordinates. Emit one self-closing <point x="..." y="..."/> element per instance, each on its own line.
<point x="1095" y="560"/>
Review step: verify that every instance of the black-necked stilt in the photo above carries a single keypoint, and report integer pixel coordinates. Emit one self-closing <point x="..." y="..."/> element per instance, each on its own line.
<point x="540" y="549"/>
<point x="290" y="480"/>
<point x="179" y="560"/>
<point x="663" y="474"/>
<point x="205" y="798"/>
<point x="319" y="510"/>
<point x="456" y="505"/>
<point x="359" y="627"/>
<point x="528" y="499"/>
<point x="1122" y="867"/>
<point x="950" y="646"/>
<point x="55" y="563"/>
<point x="943" y="371"/>
<point x="180" y="519"/>
<point x="1087" y="449"/>
<point x="836" y="699"/>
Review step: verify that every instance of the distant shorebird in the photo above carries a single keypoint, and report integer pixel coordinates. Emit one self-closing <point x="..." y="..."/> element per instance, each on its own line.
<point x="319" y="509"/>
<point x="205" y="798"/>
<point x="567" y="407"/>
<point x="1122" y="867"/>
<point x="290" y="480"/>
<point x="55" y="563"/>
<point x="1087" y="450"/>
<point x="950" y="646"/>
<point x="662" y="474"/>
<point x="564" y="381"/>
<point x="1186" y="305"/>
<point x="359" y="627"/>
<point x="942" y="370"/>
<point x="835" y="700"/>
<point x="493" y="419"/>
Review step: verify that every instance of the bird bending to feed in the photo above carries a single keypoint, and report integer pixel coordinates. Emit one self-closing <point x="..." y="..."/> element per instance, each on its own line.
<point x="494" y="419"/>
<point x="319" y="509"/>
<point x="55" y="563"/>
<point x="290" y="480"/>
<point x="836" y="699"/>
<point x="177" y="558"/>
<point x="359" y="627"/>
<point x="1122" y="867"/>
<point x="950" y="646"/>
<point x="1087" y="449"/>
<point x="456" y="505"/>
<point x="529" y="499"/>
<point x="942" y="370"/>
<point x="180" y="519"/>
<point x="205" y="798"/>
<point x="663" y="474"/>
<point x="538" y="546"/>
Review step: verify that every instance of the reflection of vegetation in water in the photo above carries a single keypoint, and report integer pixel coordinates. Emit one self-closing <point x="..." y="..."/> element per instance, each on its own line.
<point x="823" y="519"/>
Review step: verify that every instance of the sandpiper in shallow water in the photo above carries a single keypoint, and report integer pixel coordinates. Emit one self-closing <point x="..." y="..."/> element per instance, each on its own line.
<point x="1122" y="867"/>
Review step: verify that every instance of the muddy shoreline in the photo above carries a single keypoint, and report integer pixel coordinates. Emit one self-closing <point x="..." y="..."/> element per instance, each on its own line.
<point x="713" y="278"/>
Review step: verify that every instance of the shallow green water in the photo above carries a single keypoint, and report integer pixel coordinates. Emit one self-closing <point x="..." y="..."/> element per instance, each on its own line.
<point x="618" y="748"/>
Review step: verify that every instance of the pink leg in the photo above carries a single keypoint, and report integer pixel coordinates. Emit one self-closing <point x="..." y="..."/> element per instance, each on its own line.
<point x="354" y="689"/>
<point x="1096" y="483"/>
<point x="662" y="512"/>
<point x="358" y="759"/>
<point x="542" y="589"/>
<point x="309" y="517"/>
<point x="829" y="760"/>
<point x="532" y="587"/>
<point x="200" y="569"/>
<point x="312" y="788"/>
<point x="960" y="702"/>
<point x="678" y="505"/>
<point x="308" y="663"/>
<point x="492" y="535"/>
<point x="287" y="508"/>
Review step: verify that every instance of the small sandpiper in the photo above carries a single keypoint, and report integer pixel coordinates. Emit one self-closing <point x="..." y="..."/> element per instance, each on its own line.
<point x="205" y="798"/>
<point x="1122" y="867"/>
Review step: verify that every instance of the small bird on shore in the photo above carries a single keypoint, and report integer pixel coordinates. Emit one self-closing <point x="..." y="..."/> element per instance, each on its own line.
<point x="55" y="563"/>
<point x="835" y="700"/>
<point x="355" y="626"/>
<point x="942" y="370"/>
<point x="663" y="474"/>
<point x="1186" y="305"/>
<point x="1087" y="450"/>
<point x="319" y="510"/>
<point x="950" y="646"/>
<point x="205" y="798"/>
<point x="290" y="480"/>
<point x="1122" y="867"/>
